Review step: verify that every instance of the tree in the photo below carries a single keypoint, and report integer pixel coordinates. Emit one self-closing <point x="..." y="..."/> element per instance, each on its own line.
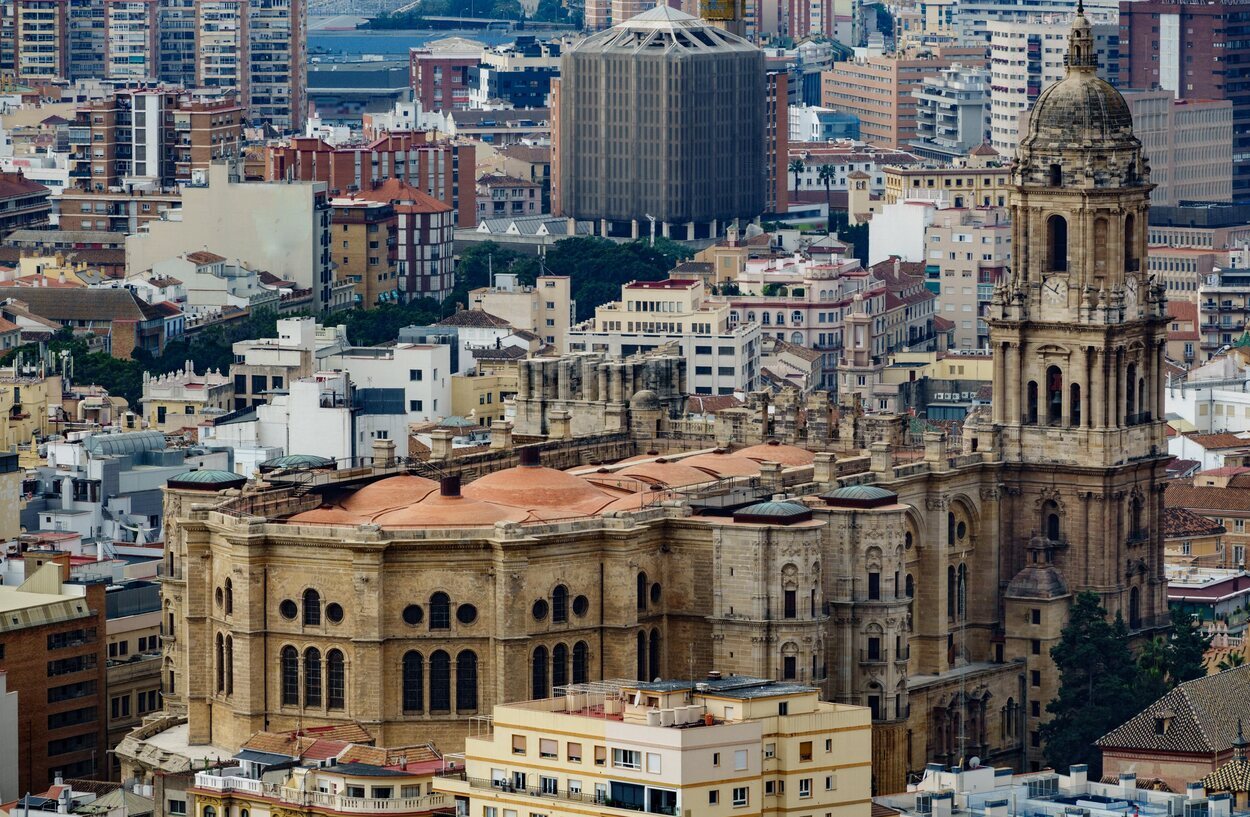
<point x="826" y="174"/>
<point x="1100" y="685"/>
<point x="1186" y="648"/>
<point x="797" y="167"/>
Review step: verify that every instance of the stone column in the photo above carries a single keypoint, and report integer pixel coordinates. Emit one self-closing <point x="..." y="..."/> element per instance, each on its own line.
<point x="1087" y="410"/>
<point x="935" y="450"/>
<point x="633" y="229"/>
<point x="690" y="231"/>
<point x="501" y="435"/>
<point x="1000" y="385"/>
<point x="440" y="444"/>
<point x="1115" y="405"/>
<point x="564" y="379"/>
<point x="603" y="227"/>
<point x="1099" y="392"/>
<point x="1012" y="384"/>
<point x="523" y="381"/>
<point x="823" y="467"/>
<point x="601" y="377"/>
<point x="558" y="425"/>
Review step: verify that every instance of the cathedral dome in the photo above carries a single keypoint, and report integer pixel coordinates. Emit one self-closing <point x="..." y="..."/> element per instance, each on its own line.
<point x="1080" y="109"/>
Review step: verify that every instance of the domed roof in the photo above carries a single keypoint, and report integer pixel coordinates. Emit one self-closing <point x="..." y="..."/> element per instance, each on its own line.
<point x="536" y="486"/>
<point x="644" y="400"/>
<point x="1081" y="109"/>
<point x="668" y="474"/>
<point x="723" y="465"/>
<point x="777" y="452"/>
<point x="206" y="479"/>
<point x="392" y="492"/>
<point x="437" y="509"/>
<point x="1037" y="581"/>
<point x="859" y="496"/>
<point x="774" y="512"/>
<point x="296" y="461"/>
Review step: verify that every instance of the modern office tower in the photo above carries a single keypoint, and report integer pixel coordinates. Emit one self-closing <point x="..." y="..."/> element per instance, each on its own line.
<point x="1027" y="55"/>
<point x="661" y="117"/>
<point x="879" y="90"/>
<point x="131" y="40"/>
<point x="1197" y="51"/>
<point x="1189" y="144"/>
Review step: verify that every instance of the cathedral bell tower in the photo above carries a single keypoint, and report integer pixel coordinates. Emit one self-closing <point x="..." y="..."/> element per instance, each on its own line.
<point x="1078" y="331"/>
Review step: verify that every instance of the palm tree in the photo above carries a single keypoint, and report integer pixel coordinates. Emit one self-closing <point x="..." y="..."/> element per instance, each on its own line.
<point x="797" y="167"/>
<point x="826" y="174"/>
<point x="1233" y="659"/>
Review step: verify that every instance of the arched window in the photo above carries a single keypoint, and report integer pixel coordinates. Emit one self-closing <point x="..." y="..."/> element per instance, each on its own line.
<point x="1130" y="395"/>
<point x="290" y="676"/>
<point x="440" y="681"/>
<point x="1054" y="395"/>
<point x="766" y="318"/>
<point x="950" y="591"/>
<point x="642" y="593"/>
<point x="1030" y="410"/>
<point x="466" y="681"/>
<point x="229" y="665"/>
<point x="1056" y="176"/>
<point x="1050" y="517"/>
<point x="209" y="811"/>
<point x="962" y="592"/>
<point x="221" y="664"/>
<point x="911" y="587"/>
<point x="312" y="607"/>
<point x="336" y="680"/>
<point x="538" y="673"/>
<point x="580" y="662"/>
<point x="312" y="677"/>
<point x="642" y="656"/>
<point x="440" y="615"/>
<point x="414" y="682"/>
<point x="796" y="337"/>
<point x="560" y="604"/>
<point x="559" y="665"/>
<point x="1134" y="609"/>
<point x="1057" y="243"/>
<point x="1131" y="263"/>
<point x="654" y="655"/>
<point x="229" y="597"/>
<point x="1100" y="247"/>
<point x="1142" y="416"/>
<point x="169" y="630"/>
<point x="950" y="529"/>
<point x="1074" y="405"/>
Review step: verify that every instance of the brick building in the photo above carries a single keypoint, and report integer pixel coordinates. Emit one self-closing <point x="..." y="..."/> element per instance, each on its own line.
<point x="424" y="233"/>
<point x="53" y="656"/>
<point x="441" y="73"/>
<point x="436" y="167"/>
<point x="23" y="203"/>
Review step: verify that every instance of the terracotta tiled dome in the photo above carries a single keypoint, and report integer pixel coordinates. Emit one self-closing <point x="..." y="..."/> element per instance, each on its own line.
<point x="668" y="474"/>
<point x="777" y="452"/>
<point x="436" y="509"/>
<point x="536" y="486"/>
<point x="723" y="465"/>
<point x="392" y="492"/>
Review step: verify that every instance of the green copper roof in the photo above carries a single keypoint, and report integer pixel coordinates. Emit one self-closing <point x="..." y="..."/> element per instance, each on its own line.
<point x="777" y="511"/>
<point x="207" y="479"/>
<point x="859" y="496"/>
<point x="297" y="461"/>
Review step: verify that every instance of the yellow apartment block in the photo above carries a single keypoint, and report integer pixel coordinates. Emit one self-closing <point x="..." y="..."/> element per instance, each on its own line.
<point x="723" y="746"/>
<point x="24" y="402"/>
<point x="481" y="396"/>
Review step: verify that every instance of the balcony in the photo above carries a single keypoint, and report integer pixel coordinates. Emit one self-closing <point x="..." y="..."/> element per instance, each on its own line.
<point x="902" y="656"/>
<point x="868" y="657"/>
<point x="225" y="783"/>
<point x="598" y="799"/>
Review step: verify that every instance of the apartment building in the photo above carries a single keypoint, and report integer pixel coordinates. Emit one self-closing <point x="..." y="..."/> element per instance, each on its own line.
<point x="518" y="73"/>
<point x="546" y="308"/>
<point x="436" y="167"/>
<point x="420" y="374"/>
<point x="712" y="747"/>
<point x="183" y="399"/>
<point x="724" y="356"/>
<point x="176" y="20"/>
<point x="1224" y="305"/>
<point x="880" y="90"/>
<point x="54" y="659"/>
<point x="981" y="179"/>
<point x="1202" y="224"/>
<point x="1189" y="144"/>
<point x="440" y="73"/>
<point x="845" y="157"/>
<point x="132" y="40"/>
<point x="267" y="365"/>
<point x="24" y="204"/>
<point x="424" y="241"/>
<point x="364" y="244"/>
<point x="133" y="620"/>
<point x="1027" y="54"/>
<point x="277" y="59"/>
<point x="150" y="137"/>
<point x="120" y="210"/>
<point x="952" y="113"/>
<point x="502" y="196"/>
<point x="966" y="255"/>
<point x="1183" y="270"/>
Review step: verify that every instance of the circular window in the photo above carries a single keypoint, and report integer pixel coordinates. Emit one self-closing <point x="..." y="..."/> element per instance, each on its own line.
<point x="219" y="596"/>
<point x="334" y="612"/>
<point x="540" y="609"/>
<point x="961" y="530"/>
<point x="655" y="593"/>
<point x="466" y="614"/>
<point x="288" y="609"/>
<point x="581" y="605"/>
<point x="413" y="614"/>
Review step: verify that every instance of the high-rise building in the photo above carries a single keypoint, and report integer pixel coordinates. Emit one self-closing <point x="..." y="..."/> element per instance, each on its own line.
<point x="952" y="113"/>
<point x="519" y="73"/>
<point x="662" y="117"/>
<point x="277" y="58"/>
<point x="176" y="41"/>
<point x="880" y="90"/>
<point x="132" y="50"/>
<point x="1196" y="51"/>
<point x="1027" y="55"/>
<point x="440" y="73"/>
<point x="1189" y="144"/>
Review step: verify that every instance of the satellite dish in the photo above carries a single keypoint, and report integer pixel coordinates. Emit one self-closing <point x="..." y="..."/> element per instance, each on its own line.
<point x="974" y="763"/>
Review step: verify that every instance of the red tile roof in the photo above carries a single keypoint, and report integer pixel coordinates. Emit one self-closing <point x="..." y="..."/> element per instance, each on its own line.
<point x="404" y="197"/>
<point x="1182" y="522"/>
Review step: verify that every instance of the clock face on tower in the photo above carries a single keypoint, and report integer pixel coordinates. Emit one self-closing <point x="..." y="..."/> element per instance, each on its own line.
<point x="1055" y="291"/>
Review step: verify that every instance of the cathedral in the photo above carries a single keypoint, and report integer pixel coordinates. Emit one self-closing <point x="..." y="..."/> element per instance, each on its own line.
<point x="925" y="581"/>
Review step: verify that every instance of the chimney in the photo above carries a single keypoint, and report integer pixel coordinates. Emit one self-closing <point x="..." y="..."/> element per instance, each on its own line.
<point x="1078" y="777"/>
<point x="449" y="486"/>
<point x="943" y="803"/>
<point x="996" y="808"/>
<point x="383" y="453"/>
<point x="440" y="444"/>
<point x="1128" y="785"/>
<point x="1195" y="791"/>
<point x="530" y="457"/>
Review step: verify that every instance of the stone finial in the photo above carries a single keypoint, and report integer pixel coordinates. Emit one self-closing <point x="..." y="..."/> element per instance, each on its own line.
<point x="559" y="426"/>
<point x="881" y="457"/>
<point x="822" y="467"/>
<point x="383" y="453"/>
<point x="501" y="435"/>
<point x="440" y="444"/>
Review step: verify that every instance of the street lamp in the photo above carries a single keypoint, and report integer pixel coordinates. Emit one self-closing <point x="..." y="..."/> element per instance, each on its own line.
<point x="651" y="218"/>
